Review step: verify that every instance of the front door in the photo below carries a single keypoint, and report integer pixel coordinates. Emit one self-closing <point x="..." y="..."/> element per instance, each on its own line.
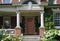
<point x="29" y="25"/>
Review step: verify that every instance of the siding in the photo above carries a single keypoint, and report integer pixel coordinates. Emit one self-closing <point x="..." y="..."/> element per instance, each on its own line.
<point x="58" y="1"/>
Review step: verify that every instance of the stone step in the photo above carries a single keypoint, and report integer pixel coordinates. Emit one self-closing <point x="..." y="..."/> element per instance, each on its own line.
<point x="31" y="38"/>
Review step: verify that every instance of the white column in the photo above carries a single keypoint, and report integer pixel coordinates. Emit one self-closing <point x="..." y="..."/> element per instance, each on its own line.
<point x="42" y="19"/>
<point x="38" y="1"/>
<point x="18" y="19"/>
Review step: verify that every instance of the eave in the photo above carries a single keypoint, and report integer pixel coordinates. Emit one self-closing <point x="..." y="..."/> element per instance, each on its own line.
<point x="53" y="6"/>
<point x="10" y="5"/>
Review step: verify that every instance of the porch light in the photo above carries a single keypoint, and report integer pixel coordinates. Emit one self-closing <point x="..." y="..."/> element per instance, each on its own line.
<point x="29" y="5"/>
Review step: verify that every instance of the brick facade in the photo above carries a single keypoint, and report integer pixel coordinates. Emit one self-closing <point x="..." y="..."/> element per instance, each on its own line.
<point x="0" y="1"/>
<point x="58" y="1"/>
<point x="15" y="1"/>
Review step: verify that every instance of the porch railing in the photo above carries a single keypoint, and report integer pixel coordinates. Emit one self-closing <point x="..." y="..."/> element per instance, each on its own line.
<point x="8" y="31"/>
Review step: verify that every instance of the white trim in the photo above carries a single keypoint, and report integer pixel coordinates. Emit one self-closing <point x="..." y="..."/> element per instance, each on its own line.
<point x="10" y="1"/>
<point x="57" y="27"/>
<point x="55" y="2"/>
<point x="2" y="1"/>
<point x="18" y="18"/>
<point x="42" y="18"/>
<point x="19" y="0"/>
<point x="38" y="1"/>
<point x="57" y="10"/>
<point x="47" y="0"/>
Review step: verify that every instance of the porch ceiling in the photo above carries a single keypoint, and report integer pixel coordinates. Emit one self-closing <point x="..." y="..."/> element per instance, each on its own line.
<point x="30" y="13"/>
<point x="2" y="13"/>
<point x="22" y="12"/>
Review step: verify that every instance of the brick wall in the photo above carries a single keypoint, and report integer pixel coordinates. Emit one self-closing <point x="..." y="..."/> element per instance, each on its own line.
<point x="58" y="1"/>
<point x="0" y="1"/>
<point x="14" y="1"/>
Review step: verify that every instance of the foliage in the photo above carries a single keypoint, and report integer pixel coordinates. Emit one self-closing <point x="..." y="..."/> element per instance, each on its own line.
<point x="51" y="35"/>
<point x="5" y="37"/>
<point x="48" y="17"/>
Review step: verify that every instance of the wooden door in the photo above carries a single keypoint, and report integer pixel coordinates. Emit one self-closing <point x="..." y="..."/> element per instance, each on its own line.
<point x="29" y="25"/>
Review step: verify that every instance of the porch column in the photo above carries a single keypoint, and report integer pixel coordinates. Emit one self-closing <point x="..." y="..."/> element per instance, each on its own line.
<point x="18" y="28"/>
<point x="42" y="19"/>
<point x="18" y="20"/>
<point x="41" y="28"/>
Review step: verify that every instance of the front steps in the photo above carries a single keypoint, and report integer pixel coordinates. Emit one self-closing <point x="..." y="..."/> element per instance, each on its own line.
<point x="31" y="38"/>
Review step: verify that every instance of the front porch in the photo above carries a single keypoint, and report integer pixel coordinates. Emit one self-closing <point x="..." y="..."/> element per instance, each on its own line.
<point x="29" y="21"/>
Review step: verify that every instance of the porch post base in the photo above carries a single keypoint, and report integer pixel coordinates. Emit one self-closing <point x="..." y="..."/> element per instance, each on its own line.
<point x="18" y="31"/>
<point x="41" y="31"/>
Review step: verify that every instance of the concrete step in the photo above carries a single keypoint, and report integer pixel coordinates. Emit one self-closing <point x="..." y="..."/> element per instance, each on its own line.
<point x="31" y="38"/>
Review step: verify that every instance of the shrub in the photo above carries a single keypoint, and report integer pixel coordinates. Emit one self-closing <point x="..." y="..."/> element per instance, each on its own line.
<point x="51" y="35"/>
<point x="5" y="37"/>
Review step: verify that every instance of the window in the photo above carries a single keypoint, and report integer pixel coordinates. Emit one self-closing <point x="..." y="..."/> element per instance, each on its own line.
<point x="6" y="22"/>
<point x="55" y="1"/>
<point x="57" y="19"/>
<point x="50" y="2"/>
<point x="6" y="1"/>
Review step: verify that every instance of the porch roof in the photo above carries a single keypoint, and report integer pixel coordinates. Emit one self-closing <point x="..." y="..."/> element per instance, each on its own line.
<point x="14" y="8"/>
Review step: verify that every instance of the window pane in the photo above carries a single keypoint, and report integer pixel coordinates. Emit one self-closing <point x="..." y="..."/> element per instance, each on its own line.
<point x="6" y="22"/>
<point x="57" y="19"/>
<point x="6" y="1"/>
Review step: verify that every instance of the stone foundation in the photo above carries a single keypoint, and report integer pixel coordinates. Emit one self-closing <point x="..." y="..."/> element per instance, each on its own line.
<point x="41" y="31"/>
<point x="18" y="30"/>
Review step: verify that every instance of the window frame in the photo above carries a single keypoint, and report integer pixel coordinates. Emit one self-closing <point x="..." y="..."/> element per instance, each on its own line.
<point x="57" y="27"/>
<point x="55" y="2"/>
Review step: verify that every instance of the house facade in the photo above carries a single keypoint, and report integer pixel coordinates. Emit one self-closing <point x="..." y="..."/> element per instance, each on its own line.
<point x="27" y="16"/>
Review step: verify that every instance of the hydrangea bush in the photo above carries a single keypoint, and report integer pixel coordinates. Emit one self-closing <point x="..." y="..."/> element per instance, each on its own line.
<point x="51" y="35"/>
<point x="5" y="37"/>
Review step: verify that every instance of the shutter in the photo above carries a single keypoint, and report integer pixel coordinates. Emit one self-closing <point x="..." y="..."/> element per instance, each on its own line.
<point x="50" y="2"/>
